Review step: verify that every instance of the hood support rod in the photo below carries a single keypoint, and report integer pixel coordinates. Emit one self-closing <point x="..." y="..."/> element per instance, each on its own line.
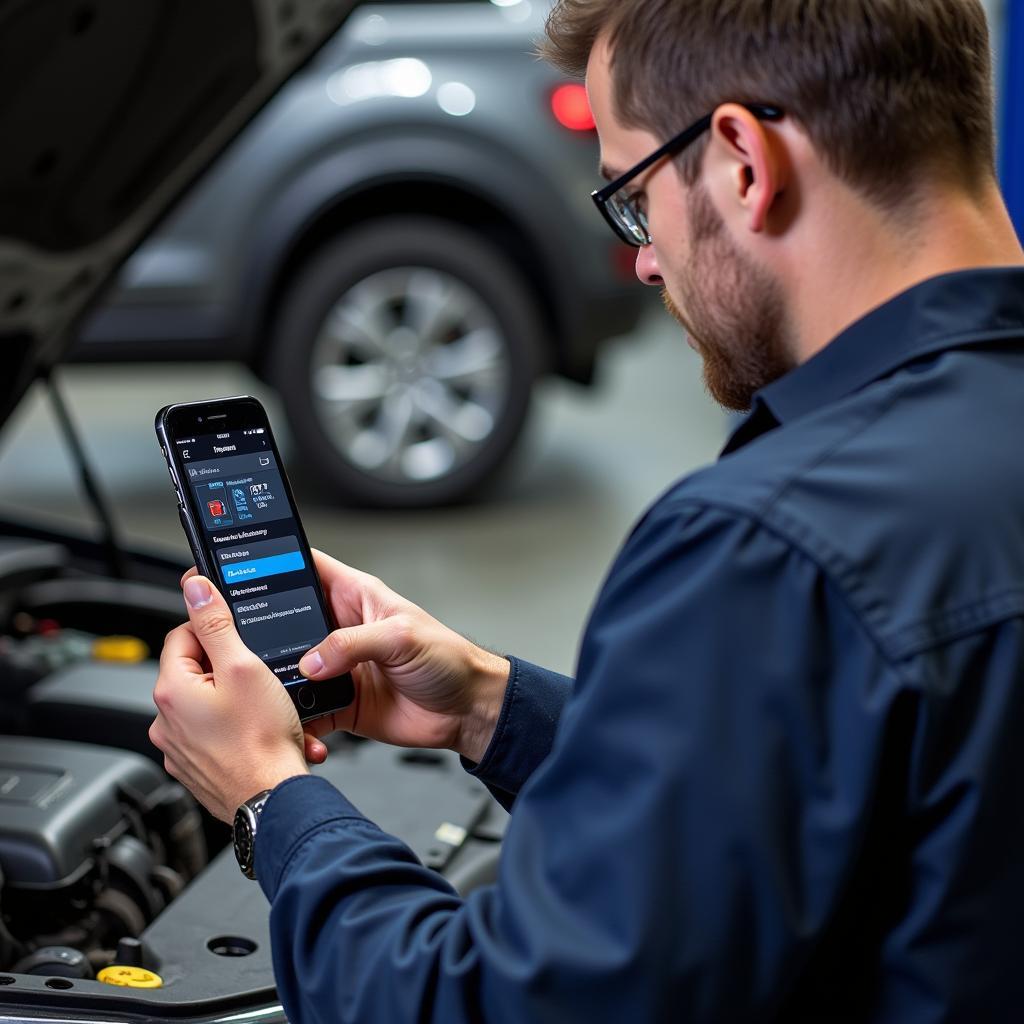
<point x="116" y="561"/>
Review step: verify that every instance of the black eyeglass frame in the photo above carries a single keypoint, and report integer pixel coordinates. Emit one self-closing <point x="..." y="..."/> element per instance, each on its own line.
<point x="674" y="146"/>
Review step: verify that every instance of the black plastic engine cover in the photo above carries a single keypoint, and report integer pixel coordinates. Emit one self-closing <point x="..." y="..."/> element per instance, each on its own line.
<point x="108" y="704"/>
<point x="57" y="799"/>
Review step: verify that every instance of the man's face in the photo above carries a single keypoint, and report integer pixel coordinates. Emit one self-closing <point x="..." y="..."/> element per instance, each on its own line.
<point x="732" y="307"/>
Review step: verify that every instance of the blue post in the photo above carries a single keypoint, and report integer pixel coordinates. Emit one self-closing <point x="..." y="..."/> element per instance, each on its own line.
<point x="1012" y="143"/>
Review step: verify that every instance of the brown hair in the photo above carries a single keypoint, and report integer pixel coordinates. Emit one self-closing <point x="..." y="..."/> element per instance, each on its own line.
<point x="883" y="88"/>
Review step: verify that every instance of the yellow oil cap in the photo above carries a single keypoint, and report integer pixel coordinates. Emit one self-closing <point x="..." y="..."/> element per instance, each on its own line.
<point x="130" y="977"/>
<point x="129" y="649"/>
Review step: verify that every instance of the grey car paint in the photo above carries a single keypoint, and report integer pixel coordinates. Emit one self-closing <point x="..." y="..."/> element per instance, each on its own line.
<point x="324" y="153"/>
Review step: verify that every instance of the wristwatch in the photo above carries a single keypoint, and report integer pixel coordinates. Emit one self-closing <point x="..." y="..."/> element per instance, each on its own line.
<point x="247" y="820"/>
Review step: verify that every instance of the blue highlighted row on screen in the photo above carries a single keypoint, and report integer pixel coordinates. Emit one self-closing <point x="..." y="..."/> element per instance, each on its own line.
<point x="260" y="567"/>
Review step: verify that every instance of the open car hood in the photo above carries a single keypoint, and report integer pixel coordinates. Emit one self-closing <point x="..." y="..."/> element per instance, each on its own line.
<point x="109" y="109"/>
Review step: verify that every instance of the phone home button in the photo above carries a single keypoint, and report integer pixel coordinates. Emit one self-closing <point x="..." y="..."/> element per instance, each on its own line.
<point x="306" y="698"/>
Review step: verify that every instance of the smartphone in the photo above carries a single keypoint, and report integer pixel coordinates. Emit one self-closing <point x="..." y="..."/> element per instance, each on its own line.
<point x="238" y="513"/>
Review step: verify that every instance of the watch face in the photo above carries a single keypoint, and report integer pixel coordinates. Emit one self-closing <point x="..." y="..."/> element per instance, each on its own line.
<point x="243" y="838"/>
<point x="244" y="832"/>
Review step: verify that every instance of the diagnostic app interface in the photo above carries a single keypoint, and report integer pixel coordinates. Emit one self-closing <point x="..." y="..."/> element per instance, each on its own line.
<point x="250" y="529"/>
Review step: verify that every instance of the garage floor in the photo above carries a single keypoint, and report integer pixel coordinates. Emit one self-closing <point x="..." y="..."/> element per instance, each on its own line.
<point x="517" y="570"/>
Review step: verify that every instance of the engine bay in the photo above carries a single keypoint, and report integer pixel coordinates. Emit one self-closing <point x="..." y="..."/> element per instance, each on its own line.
<point x="95" y="843"/>
<point x="117" y="889"/>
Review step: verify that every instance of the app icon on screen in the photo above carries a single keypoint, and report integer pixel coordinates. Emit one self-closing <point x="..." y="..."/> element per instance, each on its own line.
<point x="238" y="496"/>
<point x="213" y="502"/>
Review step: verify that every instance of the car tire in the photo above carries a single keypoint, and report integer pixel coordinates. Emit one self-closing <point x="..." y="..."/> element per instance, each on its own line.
<point x="405" y="353"/>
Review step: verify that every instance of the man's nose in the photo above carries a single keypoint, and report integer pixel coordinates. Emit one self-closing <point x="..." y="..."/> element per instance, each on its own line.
<point x="647" y="267"/>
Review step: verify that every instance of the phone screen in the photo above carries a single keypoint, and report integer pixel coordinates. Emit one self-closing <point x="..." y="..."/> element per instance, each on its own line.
<point x="253" y="542"/>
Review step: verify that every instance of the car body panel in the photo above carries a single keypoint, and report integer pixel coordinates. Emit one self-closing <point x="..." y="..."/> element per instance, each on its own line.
<point x="362" y="118"/>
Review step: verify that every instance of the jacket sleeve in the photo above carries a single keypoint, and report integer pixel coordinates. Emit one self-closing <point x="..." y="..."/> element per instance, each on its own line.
<point x="534" y="700"/>
<point x="676" y="856"/>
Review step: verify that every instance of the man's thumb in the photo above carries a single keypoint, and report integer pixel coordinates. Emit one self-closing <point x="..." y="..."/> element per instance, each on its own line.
<point x="343" y="649"/>
<point x="212" y="623"/>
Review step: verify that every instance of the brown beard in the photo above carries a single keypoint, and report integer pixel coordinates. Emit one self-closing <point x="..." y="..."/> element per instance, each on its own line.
<point x="735" y="311"/>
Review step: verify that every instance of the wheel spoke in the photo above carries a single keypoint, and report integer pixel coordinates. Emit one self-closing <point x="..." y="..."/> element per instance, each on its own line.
<point x="463" y="423"/>
<point x="428" y="460"/>
<point x="349" y="385"/>
<point x="360" y="321"/>
<point x="381" y="447"/>
<point x="476" y="358"/>
<point x="396" y="426"/>
<point x="431" y="304"/>
<point x="345" y="332"/>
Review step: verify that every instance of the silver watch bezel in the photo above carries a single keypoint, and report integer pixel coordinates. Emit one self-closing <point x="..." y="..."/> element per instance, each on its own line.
<point x="246" y="823"/>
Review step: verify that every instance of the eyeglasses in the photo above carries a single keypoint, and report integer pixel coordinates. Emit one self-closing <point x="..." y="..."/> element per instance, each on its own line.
<point x="627" y="219"/>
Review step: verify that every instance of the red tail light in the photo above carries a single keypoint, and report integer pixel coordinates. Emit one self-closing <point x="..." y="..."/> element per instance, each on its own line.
<point x="571" y="108"/>
<point x="623" y="259"/>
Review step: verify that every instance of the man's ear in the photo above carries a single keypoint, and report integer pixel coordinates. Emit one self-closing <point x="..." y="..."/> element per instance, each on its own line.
<point x="747" y="165"/>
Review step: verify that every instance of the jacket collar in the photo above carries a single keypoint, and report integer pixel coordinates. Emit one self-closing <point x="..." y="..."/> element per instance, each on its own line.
<point x="955" y="310"/>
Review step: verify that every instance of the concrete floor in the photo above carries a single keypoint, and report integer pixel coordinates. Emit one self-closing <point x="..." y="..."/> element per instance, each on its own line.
<point x="517" y="570"/>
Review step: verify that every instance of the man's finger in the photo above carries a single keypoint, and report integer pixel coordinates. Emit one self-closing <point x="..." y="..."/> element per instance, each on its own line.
<point x="347" y="587"/>
<point x="315" y="751"/>
<point x="180" y="643"/>
<point x="343" y="649"/>
<point x="211" y="621"/>
<point x="190" y="573"/>
<point x="337" y="571"/>
<point x="336" y="721"/>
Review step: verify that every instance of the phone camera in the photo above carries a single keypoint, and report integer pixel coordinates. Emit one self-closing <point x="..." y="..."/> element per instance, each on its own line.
<point x="199" y="418"/>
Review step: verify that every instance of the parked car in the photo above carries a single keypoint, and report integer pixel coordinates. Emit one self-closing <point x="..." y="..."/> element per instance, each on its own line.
<point x="119" y="899"/>
<point x="400" y="243"/>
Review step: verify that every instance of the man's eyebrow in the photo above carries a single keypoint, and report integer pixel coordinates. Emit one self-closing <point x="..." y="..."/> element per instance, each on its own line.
<point x="608" y="173"/>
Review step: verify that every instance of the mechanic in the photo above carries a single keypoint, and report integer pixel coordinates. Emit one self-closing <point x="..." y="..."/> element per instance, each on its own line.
<point x="785" y="784"/>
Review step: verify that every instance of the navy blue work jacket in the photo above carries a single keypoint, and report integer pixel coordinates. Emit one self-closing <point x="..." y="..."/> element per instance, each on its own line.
<point x="788" y="781"/>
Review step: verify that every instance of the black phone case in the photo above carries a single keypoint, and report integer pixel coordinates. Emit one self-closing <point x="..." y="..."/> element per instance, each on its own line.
<point x="311" y="700"/>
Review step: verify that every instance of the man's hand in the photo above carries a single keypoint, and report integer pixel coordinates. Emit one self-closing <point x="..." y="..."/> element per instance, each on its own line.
<point x="226" y="725"/>
<point x="418" y="683"/>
